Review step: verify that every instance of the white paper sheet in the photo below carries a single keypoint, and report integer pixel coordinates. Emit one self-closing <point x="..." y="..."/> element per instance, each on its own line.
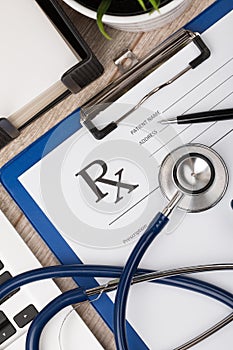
<point x="33" y="54"/>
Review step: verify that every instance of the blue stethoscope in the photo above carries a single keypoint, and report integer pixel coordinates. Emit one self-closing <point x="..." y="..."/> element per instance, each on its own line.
<point x="192" y="177"/>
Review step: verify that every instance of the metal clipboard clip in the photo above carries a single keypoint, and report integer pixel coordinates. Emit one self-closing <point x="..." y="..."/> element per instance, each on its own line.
<point x="151" y="62"/>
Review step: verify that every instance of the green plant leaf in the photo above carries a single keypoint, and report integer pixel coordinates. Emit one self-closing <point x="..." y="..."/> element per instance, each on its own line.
<point x="102" y="9"/>
<point x="155" y="4"/>
<point x="141" y="2"/>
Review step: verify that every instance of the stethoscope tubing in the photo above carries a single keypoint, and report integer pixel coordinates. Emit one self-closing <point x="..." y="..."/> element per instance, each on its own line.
<point x="126" y="278"/>
<point x="156" y="226"/>
<point x="88" y="271"/>
<point x="79" y="295"/>
<point x="74" y="296"/>
<point x="175" y="278"/>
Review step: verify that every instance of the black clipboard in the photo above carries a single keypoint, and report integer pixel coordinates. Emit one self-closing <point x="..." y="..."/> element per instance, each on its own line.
<point x="87" y="69"/>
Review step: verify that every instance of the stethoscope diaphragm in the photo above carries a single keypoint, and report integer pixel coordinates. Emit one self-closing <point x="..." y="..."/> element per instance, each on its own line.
<point x="198" y="172"/>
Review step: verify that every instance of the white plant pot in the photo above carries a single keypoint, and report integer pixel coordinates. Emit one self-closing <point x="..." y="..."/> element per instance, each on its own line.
<point x="143" y="22"/>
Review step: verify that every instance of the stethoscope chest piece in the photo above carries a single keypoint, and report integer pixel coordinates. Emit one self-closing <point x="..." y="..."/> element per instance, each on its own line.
<point x="198" y="172"/>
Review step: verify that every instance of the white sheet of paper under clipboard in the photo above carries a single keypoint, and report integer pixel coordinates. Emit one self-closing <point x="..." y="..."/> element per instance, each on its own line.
<point x="164" y="317"/>
<point x="29" y="59"/>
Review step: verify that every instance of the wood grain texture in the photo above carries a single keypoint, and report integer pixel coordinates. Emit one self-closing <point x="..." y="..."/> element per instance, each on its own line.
<point x="140" y="43"/>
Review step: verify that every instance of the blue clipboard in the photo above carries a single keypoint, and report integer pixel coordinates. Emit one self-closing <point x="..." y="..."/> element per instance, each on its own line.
<point x="10" y="173"/>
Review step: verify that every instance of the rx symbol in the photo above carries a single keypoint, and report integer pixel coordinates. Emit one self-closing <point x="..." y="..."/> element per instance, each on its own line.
<point x="92" y="183"/>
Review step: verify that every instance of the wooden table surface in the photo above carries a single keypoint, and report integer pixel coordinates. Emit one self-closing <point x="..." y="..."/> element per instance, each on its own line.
<point x="106" y="51"/>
